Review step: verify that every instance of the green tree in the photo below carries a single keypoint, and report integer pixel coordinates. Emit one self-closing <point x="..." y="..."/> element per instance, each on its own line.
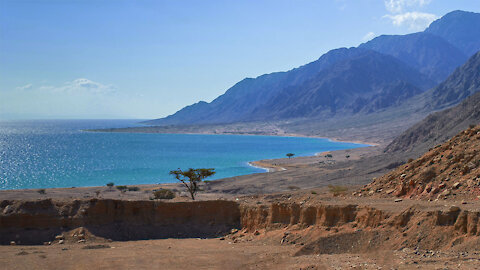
<point x="289" y="155"/>
<point x="192" y="178"/>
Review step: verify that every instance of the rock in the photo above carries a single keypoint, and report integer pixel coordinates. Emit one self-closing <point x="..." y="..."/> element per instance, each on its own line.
<point x="12" y="243"/>
<point x="256" y="232"/>
<point x="81" y="241"/>
<point x="454" y="209"/>
<point x="81" y="236"/>
<point x="232" y="231"/>
<point x="390" y="191"/>
<point x="442" y="185"/>
<point x="371" y="192"/>
<point x="61" y="241"/>
<point x="464" y="202"/>
<point x="457" y="185"/>
<point x="398" y="200"/>
<point x="403" y="175"/>
<point x="222" y="238"/>
<point x="59" y="237"/>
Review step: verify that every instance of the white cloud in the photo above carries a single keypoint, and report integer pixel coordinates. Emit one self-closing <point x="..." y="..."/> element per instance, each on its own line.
<point x="401" y="6"/>
<point x="413" y="20"/>
<point x="25" y="87"/>
<point x="368" y="36"/>
<point x="81" y="85"/>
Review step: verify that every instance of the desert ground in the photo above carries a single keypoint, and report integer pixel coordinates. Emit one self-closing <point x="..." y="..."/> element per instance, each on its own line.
<point x="305" y="213"/>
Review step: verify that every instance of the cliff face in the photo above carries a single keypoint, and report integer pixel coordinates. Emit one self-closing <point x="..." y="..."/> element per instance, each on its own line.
<point x="321" y="228"/>
<point x="35" y="222"/>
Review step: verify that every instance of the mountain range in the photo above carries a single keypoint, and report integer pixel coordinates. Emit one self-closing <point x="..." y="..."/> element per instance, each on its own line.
<point x="442" y="125"/>
<point x="377" y="76"/>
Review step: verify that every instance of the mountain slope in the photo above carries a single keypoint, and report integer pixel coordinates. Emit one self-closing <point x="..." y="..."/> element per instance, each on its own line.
<point x="462" y="83"/>
<point x="365" y="83"/>
<point x="429" y="54"/>
<point x="450" y="170"/>
<point x="440" y="126"/>
<point x="460" y="28"/>
<point x="337" y="84"/>
<point x="250" y="93"/>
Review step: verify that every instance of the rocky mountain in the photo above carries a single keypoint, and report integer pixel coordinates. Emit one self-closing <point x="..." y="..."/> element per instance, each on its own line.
<point x="464" y="83"/>
<point x="365" y="83"/>
<point x="459" y="28"/>
<point x="378" y="75"/>
<point x="429" y="54"/>
<point x="250" y="93"/>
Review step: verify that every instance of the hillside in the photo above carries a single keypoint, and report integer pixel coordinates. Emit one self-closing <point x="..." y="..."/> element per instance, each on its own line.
<point x="440" y="126"/>
<point x="448" y="171"/>
<point x="460" y="28"/>
<point x="429" y="54"/>
<point x="365" y="83"/>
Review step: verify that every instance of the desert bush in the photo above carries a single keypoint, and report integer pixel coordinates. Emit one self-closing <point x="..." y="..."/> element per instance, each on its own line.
<point x="429" y="174"/>
<point x="122" y="188"/>
<point x="110" y="184"/>
<point x="133" y="188"/>
<point x="163" y="194"/>
<point x="293" y="188"/>
<point x="337" y="190"/>
<point x="313" y="192"/>
<point x="41" y="191"/>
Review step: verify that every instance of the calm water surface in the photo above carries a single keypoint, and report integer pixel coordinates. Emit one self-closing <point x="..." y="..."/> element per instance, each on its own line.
<point x="57" y="153"/>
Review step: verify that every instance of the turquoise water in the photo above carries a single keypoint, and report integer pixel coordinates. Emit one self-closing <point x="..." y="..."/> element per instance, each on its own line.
<point x="57" y="153"/>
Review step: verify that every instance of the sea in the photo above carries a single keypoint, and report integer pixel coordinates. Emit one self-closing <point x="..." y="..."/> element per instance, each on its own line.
<point x="59" y="153"/>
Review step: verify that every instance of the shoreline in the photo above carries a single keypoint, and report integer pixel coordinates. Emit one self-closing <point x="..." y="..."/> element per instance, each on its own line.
<point x="263" y="164"/>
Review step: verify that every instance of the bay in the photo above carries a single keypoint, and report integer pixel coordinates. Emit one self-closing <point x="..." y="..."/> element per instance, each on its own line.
<point x="57" y="153"/>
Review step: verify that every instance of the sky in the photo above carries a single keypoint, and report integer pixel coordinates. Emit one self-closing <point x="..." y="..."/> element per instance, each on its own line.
<point x="85" y="59"/>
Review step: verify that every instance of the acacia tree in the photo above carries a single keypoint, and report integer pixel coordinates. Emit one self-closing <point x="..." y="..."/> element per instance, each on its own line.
<point x="192" y="178"/>
<point x="289" y="155"/>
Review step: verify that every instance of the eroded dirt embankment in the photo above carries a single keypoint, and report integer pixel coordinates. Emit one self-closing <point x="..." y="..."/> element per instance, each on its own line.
<point x="318" y="228"/>
<point x="34" y="222"/>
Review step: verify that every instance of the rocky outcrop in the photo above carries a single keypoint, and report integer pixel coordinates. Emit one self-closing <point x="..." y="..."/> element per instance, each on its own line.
<point x="450" y="170"/>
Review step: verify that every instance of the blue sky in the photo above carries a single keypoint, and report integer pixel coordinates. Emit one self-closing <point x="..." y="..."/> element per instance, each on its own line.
<point x="147" y="59"/>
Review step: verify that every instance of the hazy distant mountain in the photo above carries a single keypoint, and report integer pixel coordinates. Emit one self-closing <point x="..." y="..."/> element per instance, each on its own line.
<point x="364" y="83"/>
<point x="440" y="126"/>
<point x="248" y="94"/>
<point x="429" y="54"/>
<point x="460" y="28"/>
<point x="379" y="75"/>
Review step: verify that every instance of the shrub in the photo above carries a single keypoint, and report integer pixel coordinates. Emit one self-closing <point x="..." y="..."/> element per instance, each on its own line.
<point x="41" y="191"/>
<point x="110" y="184"/>
<point x="313" y="192"/>
<point x="164" y="194"/>
<point x="293" y="188"/>
<point x="410" y="160"/>
<point x="337" y="190"/>
<point x="122" y="188"/>
<point x="328" y="155"/>
<point x="133" y="188"/>
<point x="429" y="174"/>
<point x="347" y="156"/>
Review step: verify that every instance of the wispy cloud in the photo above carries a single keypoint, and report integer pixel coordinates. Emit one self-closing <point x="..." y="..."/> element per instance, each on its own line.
<point x="368" y="36"/>
<point x="406" y="13"/>
<point x="400" y="6"/>
<point x="81" y="85"/>
<point x="413" y="20"/>
<point x="25" y="87"/>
